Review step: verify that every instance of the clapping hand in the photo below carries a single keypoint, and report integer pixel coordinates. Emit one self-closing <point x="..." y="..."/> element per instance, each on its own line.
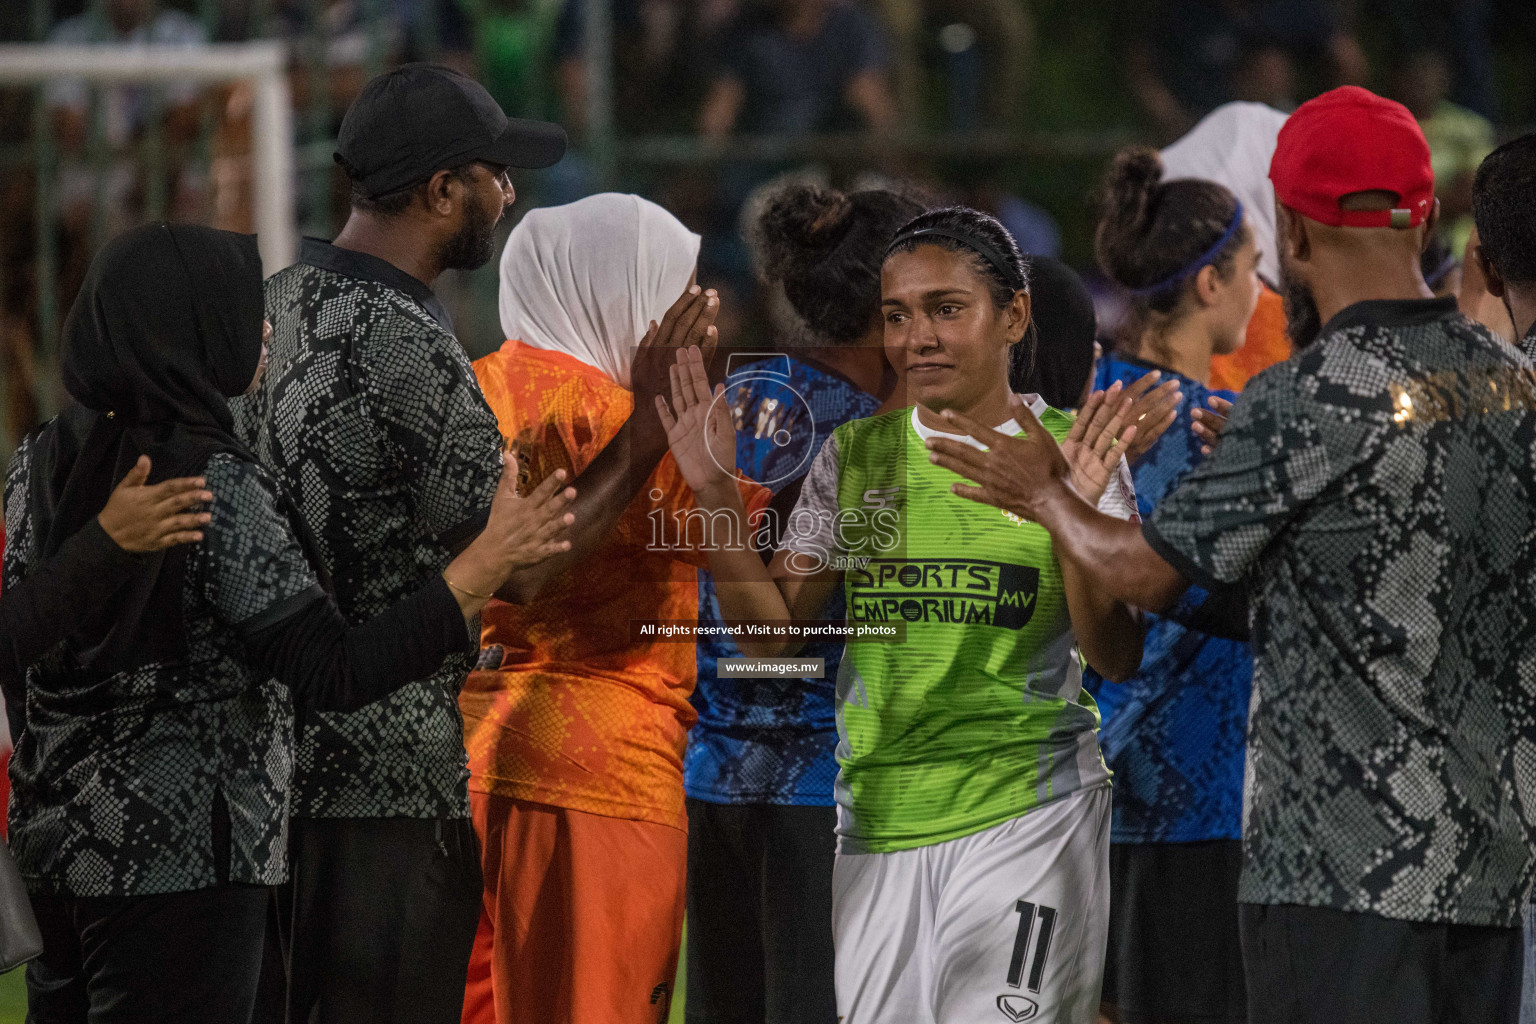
<point x="525" y="530"/>
<point x="1096" y="443"/>
<point x="699" y="429"/>
<point x="520" y="532"/>
<point x="1153" y="410"/>
<point x="690" y="322"/>
<point x="1015" y="474"/>
<point x="1209" y="423"/>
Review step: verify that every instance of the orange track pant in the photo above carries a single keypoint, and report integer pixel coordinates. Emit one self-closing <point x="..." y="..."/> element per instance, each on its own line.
<point x="582" y="919"/>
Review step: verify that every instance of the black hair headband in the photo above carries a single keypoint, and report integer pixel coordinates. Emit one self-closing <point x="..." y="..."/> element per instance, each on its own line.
<point x="1003" y="266"/>
<point x="1199" y="263"/>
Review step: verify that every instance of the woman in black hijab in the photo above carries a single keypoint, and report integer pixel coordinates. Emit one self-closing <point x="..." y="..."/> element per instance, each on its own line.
<point x="152" y="764"/>
<point x="1059" y="365"/>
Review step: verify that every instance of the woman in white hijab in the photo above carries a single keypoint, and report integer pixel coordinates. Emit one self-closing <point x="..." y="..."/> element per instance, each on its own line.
<point x="588" y="278"/>
<point x="575" y="719"/>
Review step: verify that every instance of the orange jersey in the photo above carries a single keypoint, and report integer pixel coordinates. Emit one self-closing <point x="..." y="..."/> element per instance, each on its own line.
<point x="1264" y="345"/>
<point x="578" y="715"/>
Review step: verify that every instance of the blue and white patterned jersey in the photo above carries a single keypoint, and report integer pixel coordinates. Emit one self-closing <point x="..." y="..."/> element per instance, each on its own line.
<point x="772" y="741"/>
<point x="1175" y="733"/>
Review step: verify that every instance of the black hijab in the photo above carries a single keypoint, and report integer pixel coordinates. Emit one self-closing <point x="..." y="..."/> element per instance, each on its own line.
<point x="166" y="328"/>
<point x="1060" y="361"/>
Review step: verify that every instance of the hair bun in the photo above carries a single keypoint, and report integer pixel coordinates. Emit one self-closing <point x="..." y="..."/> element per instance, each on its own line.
<point x="800" y="225"/>
<point x="1129" y="187"/>
<point x="1150" y="230"/>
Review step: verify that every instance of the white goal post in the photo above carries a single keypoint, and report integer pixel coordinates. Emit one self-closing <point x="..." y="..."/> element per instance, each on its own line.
<point x="263" y="64"/>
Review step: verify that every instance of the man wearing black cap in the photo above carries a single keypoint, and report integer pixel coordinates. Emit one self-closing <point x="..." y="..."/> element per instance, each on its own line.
<point x="371" y="416"/>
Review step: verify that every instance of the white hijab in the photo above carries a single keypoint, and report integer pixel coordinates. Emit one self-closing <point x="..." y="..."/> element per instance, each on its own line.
<point x="1232" y="146"/>
<point x="588" y="278"/>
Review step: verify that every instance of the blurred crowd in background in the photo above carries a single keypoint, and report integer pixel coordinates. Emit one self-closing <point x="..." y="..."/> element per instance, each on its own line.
<point x="1011" y="106"/>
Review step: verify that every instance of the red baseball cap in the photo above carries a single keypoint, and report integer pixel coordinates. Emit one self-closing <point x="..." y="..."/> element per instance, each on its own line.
<point x="1351" y="140"/>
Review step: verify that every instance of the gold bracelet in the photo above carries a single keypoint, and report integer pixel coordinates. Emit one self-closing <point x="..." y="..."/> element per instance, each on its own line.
<point x="454" y="586"/>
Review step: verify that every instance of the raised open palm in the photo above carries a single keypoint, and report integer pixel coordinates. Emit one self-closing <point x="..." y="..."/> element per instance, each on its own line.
<point x="526" y="529"/>
<point x="1154" y="407"/>
<point x="1096" y="443"/>
<point x="689" y="321"/>
<point x="699" y="429"/>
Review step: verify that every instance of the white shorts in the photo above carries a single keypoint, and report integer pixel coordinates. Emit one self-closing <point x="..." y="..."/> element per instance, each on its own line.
<point x="1006" y="925"/>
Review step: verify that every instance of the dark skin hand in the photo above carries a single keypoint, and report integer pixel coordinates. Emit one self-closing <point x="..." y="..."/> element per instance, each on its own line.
<point x="523" y="530"/>
<point x="607" y="486"/>
<point x="139" y="517"/>
<point x="1209" y="423"/>
<point x="1116" y="661"/>
<point x="1029" y="477"/>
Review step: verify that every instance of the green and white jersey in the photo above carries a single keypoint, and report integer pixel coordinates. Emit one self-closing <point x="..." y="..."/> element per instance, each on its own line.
<point x="979" y="714"/>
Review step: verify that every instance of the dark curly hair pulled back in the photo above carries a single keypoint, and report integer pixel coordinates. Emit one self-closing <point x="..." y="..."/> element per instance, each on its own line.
<point x="962" y="220"/>
<point x="825" y="247"/>
<point x="1151" y="229"/>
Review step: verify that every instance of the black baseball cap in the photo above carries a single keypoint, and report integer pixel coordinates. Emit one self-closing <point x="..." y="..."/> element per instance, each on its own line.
<point x="410" y="123"/>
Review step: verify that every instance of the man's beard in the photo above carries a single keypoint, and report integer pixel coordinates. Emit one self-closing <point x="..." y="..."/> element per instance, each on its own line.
<point x="473" y="245"/>
<point x="1303" y="323"/>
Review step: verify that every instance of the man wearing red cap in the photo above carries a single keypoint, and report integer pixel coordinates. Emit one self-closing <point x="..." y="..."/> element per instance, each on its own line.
<point x="1375" y="497"/>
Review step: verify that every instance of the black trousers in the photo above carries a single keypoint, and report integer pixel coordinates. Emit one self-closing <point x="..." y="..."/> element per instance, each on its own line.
<point x="178" y="958"/>
<point x="1174" y="948"/>
<point x="375" y="924"/>
<point x="1310" y="965"/>
<point x="760" y="914"/>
